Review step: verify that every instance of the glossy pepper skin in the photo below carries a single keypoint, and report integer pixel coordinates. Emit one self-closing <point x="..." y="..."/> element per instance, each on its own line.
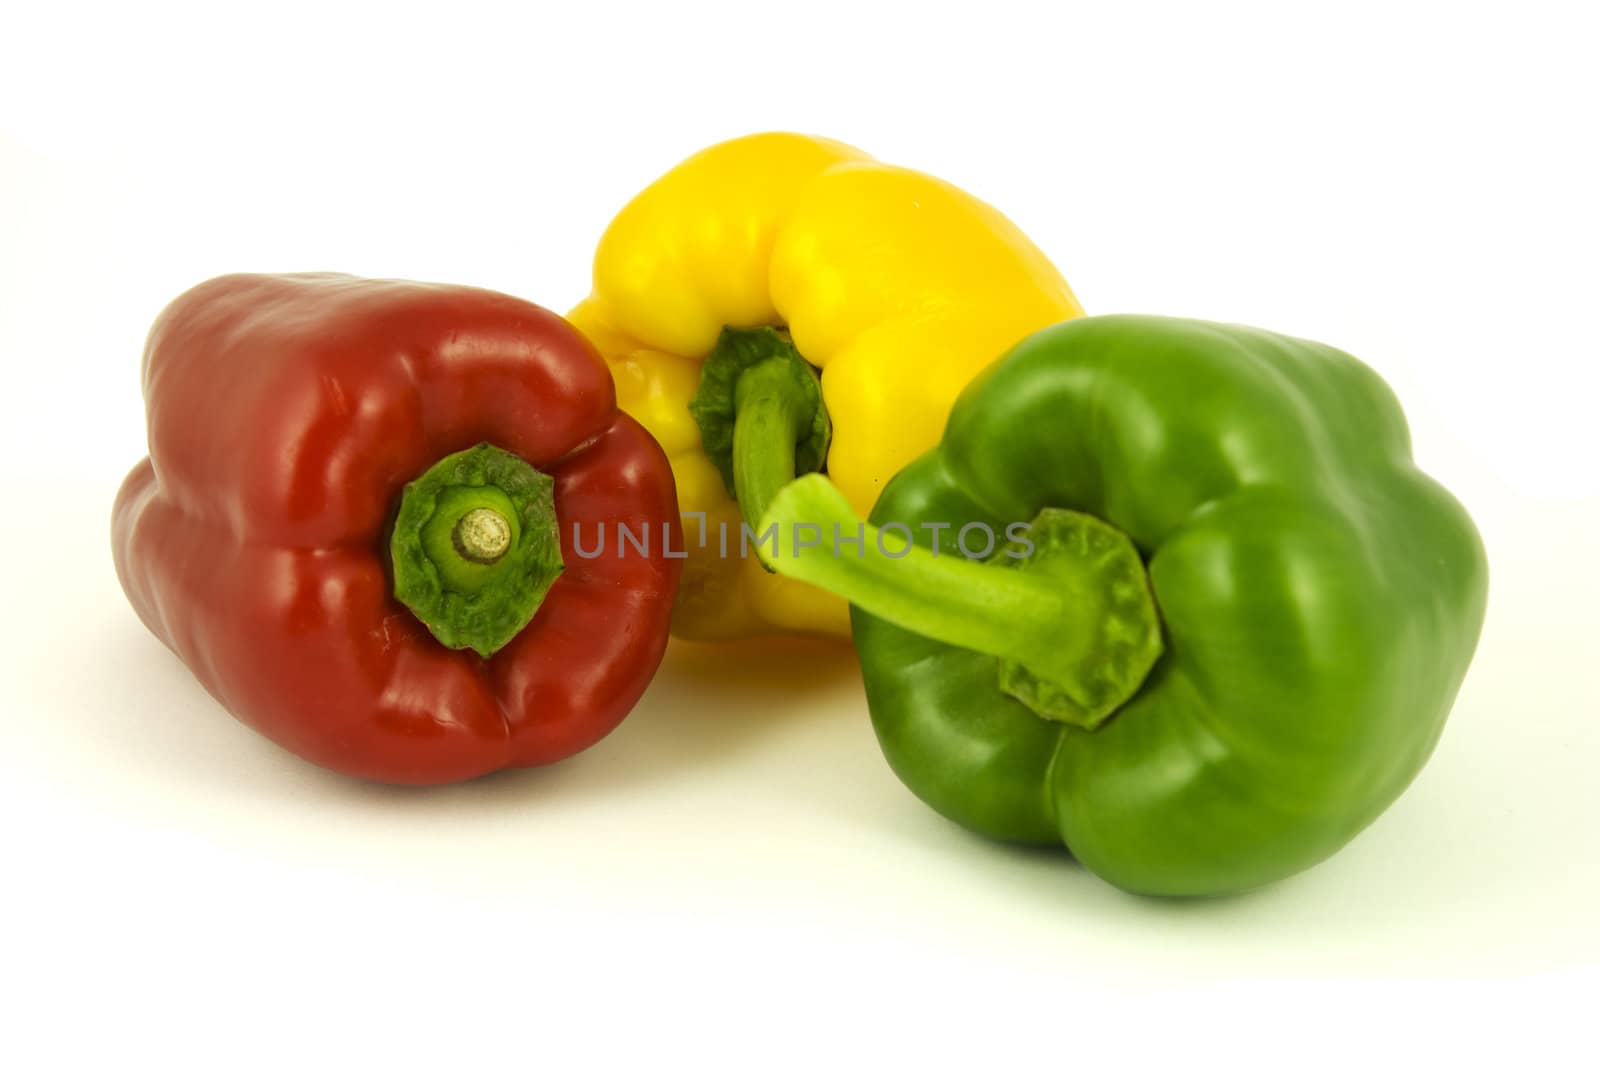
<point x="287" y="416"/>
<point x="897" y="286"/>
<point x="1318" y="600"/>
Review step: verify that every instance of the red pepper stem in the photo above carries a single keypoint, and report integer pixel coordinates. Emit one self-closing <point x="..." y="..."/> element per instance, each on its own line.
<point x="482" y="535"/>
<point x="475" y="547"/>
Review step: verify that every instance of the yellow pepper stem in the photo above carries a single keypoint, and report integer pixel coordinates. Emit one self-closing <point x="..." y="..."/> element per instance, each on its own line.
<point x="761" y="416"/>
<point x="771" y="415"/>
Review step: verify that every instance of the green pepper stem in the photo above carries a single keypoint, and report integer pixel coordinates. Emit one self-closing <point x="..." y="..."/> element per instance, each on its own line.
<point x="1069" y="613"/>
<point x="941" y="596"/>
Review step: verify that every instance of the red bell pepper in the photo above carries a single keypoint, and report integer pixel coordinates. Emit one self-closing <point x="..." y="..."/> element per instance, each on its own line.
<point x="356" y="523"/>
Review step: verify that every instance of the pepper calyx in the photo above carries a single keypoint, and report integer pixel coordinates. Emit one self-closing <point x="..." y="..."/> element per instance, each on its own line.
<point x="476" y="547"/>
<point x="1066" y="609"/>
<point x="1087" y="676"/>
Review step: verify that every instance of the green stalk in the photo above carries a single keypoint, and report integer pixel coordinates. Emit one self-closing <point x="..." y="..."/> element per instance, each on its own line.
<point x="476" y="547"/>
<point x="761" y="415"/>
<point x="770" y="416"/>
<point x="1068" y="611"/>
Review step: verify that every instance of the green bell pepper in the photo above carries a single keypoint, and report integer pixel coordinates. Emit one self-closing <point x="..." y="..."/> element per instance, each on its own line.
<point x="1223" y="638"/>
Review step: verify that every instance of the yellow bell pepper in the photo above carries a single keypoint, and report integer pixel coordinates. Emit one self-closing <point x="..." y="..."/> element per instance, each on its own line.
<point x="898" y="287"/>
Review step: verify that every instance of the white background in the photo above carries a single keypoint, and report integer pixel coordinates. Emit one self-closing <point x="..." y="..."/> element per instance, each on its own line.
<point x="735" y="875"/>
